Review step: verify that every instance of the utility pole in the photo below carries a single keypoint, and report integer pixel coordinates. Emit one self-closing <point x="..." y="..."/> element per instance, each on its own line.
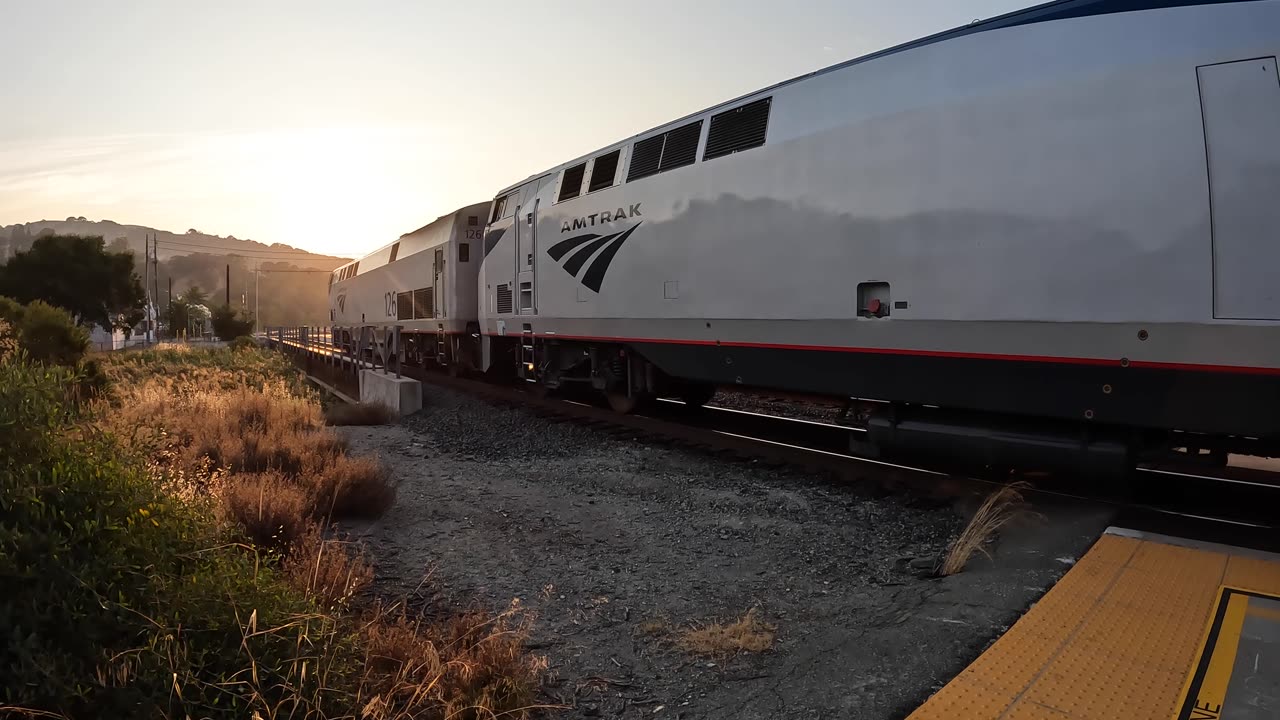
<point x="155" y="282"/>
<point x="228" y="284"/>
<point x="146" y="281"/>
<point x="255" y="299"/>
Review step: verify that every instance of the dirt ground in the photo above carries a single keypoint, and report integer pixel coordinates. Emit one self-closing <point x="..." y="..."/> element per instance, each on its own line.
<point x="619" y="544"/>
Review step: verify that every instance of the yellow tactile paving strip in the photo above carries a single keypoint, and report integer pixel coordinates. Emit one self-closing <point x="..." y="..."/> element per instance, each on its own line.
<point x="1115" y="638"/>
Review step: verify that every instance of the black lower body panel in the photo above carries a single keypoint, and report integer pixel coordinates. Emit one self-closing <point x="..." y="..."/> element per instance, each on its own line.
<point x="1217" y="403"/>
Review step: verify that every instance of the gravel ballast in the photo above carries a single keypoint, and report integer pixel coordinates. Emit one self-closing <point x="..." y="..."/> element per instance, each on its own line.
<point x="616" y="543"/>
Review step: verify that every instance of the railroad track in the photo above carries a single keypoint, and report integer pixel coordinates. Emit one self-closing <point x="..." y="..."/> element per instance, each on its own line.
<point x="1241" y="507"/>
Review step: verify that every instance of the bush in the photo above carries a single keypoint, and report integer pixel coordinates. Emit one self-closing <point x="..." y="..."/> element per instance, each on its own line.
<point x="49" y="334"/>
<point x="227" y="325"/>
<point x="244" y="342"/>
<point x="113" y="597"/>
<point x="126" y="598"/>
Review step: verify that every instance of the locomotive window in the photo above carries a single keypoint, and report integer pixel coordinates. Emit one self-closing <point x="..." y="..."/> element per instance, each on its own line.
<point x="741" y="128"/>
<point x="509" y="204"/>
<point x="395" y="250"/>
<point x="603" y="171"/>
<point x="464" y="252"/>
<point x="681" y="148"/>
<point x="571" y="184"/>
<point x="498" y="205"/>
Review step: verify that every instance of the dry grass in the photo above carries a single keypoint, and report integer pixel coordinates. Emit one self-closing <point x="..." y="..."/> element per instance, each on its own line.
<point x="246" y="445"/>
<point x="332" y="572"/>
<point x="653" y="627"/>
<point x="259" y="449"/>
<point x="999" y="508"/>
<point x="746" y="634"/>
<point x="471" y="667"/>
<point x="350" y="487"/>
<point x="365" y="413"/>
<point x="271" y="510"/>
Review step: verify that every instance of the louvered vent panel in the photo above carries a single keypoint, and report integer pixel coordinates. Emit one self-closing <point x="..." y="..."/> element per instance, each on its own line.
<point x="682" y="147"/>
<point x="571" y="185"/>
<point x="741" y="128"/>
<point x="422" y="303"/>
<point x="404" y="306"/>
<point x="504" y="299"/>
<point x="644" y="158"/>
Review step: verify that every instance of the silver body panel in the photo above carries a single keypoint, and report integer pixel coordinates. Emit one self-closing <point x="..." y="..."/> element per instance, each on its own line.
<point x="370" y="296"/>
<point x="1039" y="191"/>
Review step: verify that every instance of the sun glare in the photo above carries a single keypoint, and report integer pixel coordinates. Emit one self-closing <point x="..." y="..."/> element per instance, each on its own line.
<point x="342" y="191"/>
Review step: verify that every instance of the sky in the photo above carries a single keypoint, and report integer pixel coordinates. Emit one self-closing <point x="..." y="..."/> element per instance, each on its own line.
<point x="337" y="126"/>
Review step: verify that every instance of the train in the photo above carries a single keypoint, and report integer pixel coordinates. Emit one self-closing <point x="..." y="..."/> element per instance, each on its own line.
<point x="1051" y="237"/>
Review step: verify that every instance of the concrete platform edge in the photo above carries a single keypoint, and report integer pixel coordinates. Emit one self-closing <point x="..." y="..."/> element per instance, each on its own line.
<point x="1193" y="544"/>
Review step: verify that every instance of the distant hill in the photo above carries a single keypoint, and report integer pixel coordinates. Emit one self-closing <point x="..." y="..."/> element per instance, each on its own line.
<point x="14" y="238"/>
<point x="293" y="283"/>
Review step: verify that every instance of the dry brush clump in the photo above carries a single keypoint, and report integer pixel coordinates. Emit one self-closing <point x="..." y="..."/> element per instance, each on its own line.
<point x="362" y="413"/>
<point x="472" y="667"/>
<point x="715" y="639"/>
<point x="746" y="634"/>
<point x="997" y="510"/>
<point x="331" y="571"/>
<point x="263" y="451"/>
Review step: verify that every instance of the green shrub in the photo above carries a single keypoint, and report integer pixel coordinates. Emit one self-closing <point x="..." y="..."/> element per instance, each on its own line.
<point x="121" y="601"/>
<point x="227" y="325"/>
<point x="49" y="334"/>
<point x="244" y="342"/>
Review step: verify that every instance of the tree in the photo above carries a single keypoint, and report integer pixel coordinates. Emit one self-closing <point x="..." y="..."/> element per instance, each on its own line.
<point x="228" y="326"/>
<point x="194" y="296"/>
<point x="79" y="275"/>
<point x="47" y="333"/>
<point x="187" y="311"/>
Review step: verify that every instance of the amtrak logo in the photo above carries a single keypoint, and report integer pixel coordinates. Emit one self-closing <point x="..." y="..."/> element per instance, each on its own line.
<point x="342" y="302"/>
<point x="607" y="216"/>
<point x="583" y="247"/>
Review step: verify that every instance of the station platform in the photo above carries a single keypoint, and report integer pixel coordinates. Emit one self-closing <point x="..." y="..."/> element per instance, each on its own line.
<point x="1143" y="626"/>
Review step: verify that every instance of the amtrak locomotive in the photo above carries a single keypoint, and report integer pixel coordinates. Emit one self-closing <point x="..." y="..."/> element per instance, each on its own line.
<point x="1053" y="235"/>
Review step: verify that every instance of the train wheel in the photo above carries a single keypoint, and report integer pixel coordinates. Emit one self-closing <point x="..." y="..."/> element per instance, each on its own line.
<point x="696" y="395"/>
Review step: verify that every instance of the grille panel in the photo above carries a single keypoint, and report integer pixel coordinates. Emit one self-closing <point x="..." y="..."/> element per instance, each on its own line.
<point x="741" y="128"/>
<point x="504" y="299"/>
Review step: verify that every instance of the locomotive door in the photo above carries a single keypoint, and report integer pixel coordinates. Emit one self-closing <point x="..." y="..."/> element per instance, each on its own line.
<point x="1240" y="103"/>
<point x="437" y="282"/>
<point x="526" y="224"/>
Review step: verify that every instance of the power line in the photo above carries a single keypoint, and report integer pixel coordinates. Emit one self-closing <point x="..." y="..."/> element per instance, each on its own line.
<point x="268" y="249"/>
<point x="238" y="251"/>
<point x="255" y="258"/>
